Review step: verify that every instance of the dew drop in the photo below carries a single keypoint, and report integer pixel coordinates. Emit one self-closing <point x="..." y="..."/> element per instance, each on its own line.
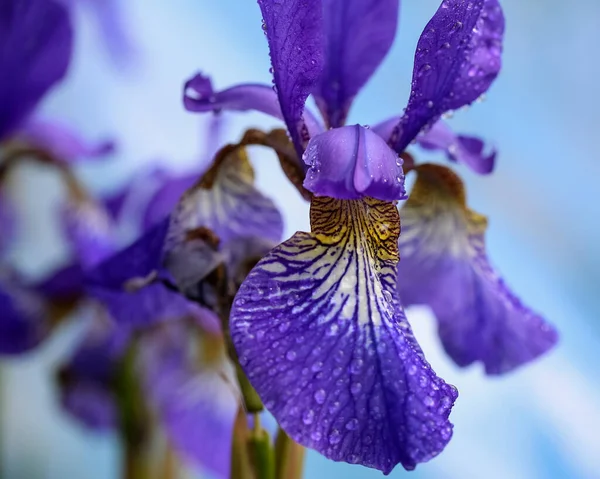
<point x="412" y="370"/>
<point x="260" y="334"/>
<point x="283" y="327"/>
<point x="317" y="367"/>
<point x="353" y="458"/>
<point x="423" y="381"/>
<point x="428" y="401"/>
<point x="308" y="417"/>
<point x="271" y="70"/>
<point x="356" y="388"/>
<point x="352" y="424"/>
<point x="387" y="296"/>
<point x="333" y="329"/>
<point x="356" y="366"/>
<point x="290" y="355"/>
<point x="335" y="437"/>
<point x="320" y="396"/>
<point x="429" y="104"/>
<point x="316" y="436"/>
<point x="424" y="70"/>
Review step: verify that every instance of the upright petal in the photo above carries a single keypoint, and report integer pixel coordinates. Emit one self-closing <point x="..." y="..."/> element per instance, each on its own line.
<point x="467" y="150"/>
<point x="445" y="265"/>
<point x="294" y="31"/>
<point x="327" y="346"/>
<point x="457" y="59"/>
<point x="358" y="35"/>
<point x="199" y="96"/>
<point x="195" y="398"/>
<point x="352" y="162"/>
<point x="35" y="48"/>
<point x="61" y="141"/>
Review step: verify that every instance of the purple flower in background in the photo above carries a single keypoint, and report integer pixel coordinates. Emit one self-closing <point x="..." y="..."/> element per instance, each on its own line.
<point x="317" y="324"/>
<point x="35" y="49"/>
<point x="445" y="265"/>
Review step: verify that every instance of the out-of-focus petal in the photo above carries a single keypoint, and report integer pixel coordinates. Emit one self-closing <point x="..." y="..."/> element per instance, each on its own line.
<point x="24" y="322"/>
<point x="324" y="341"/>
<point x="199" y="96"/>
<point x="8" y="224"/>
<point x="467" y="150"/>
<point x="66" y="283"/>
<point x="195" y="398"/>
<point x="294" y="31"/>
<point x="89" y="231"/>
<point x="165" y="198"/>
<point x="444" y="265"/>
<point x="352" y="162"/>
<point x="63" y="142"/>
<point x="130" y="283"/>
<point x="35" y="49"/>
<point x="242" y="254"/>
<point x="227" y="202"/>
<point x="457" y="59"/>
<point x="87" y="379"/>
<point x="358" y="35"/>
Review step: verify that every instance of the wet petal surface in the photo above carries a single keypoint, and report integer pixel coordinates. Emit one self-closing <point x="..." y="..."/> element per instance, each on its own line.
<point x="445" y="265"/>
<point x="457" y="59"/>
<point x="327" y="346"/>
<point x="352" y="162"/>
<point x="295" y="37"/>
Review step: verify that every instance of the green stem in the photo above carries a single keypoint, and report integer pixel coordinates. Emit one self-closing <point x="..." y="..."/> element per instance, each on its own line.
<point x="261" y="451"/>
<point x="289" y="457"/>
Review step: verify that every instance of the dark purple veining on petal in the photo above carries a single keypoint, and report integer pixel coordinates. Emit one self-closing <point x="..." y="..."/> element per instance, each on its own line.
<point x="351" y="162"/>
<point x="328" y="348"/>
<point x="294" y="33"/>
<point x="35" y="50"/>
<point x="445" y="265"/>
<point x="457" y="59"/>
<point x="358" y="35"/>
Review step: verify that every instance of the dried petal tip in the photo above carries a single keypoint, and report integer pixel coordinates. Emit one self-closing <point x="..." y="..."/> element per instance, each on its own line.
<point x="352" y="162"/>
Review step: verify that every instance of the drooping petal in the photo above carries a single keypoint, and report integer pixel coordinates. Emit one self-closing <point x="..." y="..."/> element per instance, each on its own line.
<point x="327" y="346"/>
<point x="35" y="48"/>
<point x="352" y="162"/>
<point x="196" y="401"/>
<point x="8" y="224"/>
<point x="61" y="141"/>
<point x="242" y="254"/>
<point x="131" y="283"/>
<point x="445" y="265"/>
<point x="358" y="35"/>
<point x="199" y="96"/>
<point x="89" y="231"/>
<point x="24" y="322"/>
<point x="457" y="59"/>
<point x="467" y="150"/>
<point x="294" y="31"/>
<point x="227" y="202"/>
<point x="87" y="379"/>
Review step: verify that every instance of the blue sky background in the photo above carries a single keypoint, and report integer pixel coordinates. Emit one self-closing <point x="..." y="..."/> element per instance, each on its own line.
<point x="539" y="423"/>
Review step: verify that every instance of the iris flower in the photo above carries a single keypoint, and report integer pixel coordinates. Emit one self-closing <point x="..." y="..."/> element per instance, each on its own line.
<point x="318" y="323"/>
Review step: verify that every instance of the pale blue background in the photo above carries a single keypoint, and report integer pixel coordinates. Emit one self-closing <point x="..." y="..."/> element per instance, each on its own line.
<point x="540" y="423"/>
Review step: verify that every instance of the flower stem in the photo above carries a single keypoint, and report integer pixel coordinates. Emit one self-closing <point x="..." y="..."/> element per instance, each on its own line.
<point x="289" y="457"/>
<point x="261" y="451"/>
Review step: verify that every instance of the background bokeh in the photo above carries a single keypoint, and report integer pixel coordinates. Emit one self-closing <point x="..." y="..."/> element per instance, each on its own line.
<point x="541" y="422"/>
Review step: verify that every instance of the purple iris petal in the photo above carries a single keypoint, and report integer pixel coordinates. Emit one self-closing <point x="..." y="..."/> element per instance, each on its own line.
<point x="326" y="345"/>
<point x="164" y="200"/>
<point x="460" y="148"/>
<point x="23" y="318"/>
<point x="444" y="264"/>
<point x="241" y="254"/>
<point x="35" y="49"/>
<point x="89" y="230"/>
<point x="199" y="96"/>
<point x="65" y="284"/>
<point x="295" y="36"/>
<point x="195" y="400"/>
<point x="231" y="207"/>
<point x="64" y="143"/>
<point x="457" y="59"/>
<point x="87" y="379"/>
<point x="351" y="162"/>
<point x="358" y="35"/>
<point x="130" y="283"/>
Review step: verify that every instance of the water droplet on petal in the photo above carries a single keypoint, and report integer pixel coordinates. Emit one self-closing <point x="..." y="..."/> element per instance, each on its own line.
<point x="317" y="366"/>
<point x="316" y="436"/>
<point x="290" y="355"/>
<point x="356" y="388"/>
<point x="308" y="417"/>
<point x="335" y="437"/>
<point x="352" y="424"/>
<point x="320" y="396"/>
